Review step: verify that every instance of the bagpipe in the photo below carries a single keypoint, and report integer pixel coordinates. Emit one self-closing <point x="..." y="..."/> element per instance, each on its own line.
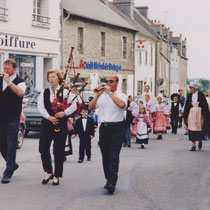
<point x="60" y="102"/>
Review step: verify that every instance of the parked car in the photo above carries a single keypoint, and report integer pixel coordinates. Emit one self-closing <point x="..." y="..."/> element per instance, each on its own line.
<point x="22" y="126"/>
<point x="88" y="96"/>
<point x="33" y="116"/>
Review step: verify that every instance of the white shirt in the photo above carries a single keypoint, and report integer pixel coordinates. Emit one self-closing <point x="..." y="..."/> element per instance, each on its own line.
<point x="108" y="111"/>
<point x="22" y="85"/>
<point x="195" y="97"/>
<point x="180" y="106"/>
<point x="84" y="123"/>
<point x="68" y="111"/>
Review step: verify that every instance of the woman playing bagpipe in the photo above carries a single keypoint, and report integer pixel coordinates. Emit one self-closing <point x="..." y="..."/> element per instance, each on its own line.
<point x="53" y="105"/>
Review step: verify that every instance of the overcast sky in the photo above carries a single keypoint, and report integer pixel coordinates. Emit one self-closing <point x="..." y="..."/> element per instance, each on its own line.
<point x="192" y="19"/>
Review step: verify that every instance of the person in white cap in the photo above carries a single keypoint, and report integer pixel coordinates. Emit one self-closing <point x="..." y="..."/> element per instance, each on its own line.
<point x="196" y="113"/>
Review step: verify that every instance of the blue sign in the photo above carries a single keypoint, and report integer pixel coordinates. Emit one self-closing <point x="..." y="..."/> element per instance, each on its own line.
<point x="100" y="66"/>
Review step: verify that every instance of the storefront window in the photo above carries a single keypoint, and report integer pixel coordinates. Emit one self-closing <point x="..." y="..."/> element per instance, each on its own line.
<point x="26" y="70"/>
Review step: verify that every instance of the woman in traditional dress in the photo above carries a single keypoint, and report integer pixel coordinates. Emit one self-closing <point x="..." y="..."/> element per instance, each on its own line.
<point x="150" y="108"/>
<point x="53" y="126"/>
<point x="159" y="123"/>
<point x="196" y="114"/>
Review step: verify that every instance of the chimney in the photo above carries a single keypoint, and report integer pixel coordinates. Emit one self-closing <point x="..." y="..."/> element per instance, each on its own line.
<point x="127" y="6"/>
<point x="184" y="48"/>
<point x="180" y="44"/>
<point x="143" y="11"/>
<point x="170" y="34"/>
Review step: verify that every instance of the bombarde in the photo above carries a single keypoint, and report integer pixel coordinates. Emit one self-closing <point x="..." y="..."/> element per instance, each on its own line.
<point x="98" y="89"/>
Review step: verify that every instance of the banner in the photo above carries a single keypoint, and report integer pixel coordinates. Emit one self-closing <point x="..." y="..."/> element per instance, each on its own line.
<point x="141" y="45"/>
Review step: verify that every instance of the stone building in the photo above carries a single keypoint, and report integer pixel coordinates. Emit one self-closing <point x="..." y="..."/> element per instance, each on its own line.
<point x="30" y="35"/>
<point x="103" y="42"/>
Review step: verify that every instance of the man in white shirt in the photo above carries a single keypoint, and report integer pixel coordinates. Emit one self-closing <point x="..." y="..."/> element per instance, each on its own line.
<point x="12" y="89"/>
<point x="111" y="105"/>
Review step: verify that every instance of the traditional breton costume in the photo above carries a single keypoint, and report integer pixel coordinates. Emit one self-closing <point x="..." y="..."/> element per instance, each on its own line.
<point x="48" y="131"/>
<point x="159" y="123"/>
<point x="196" y="114"/>
<point x="175" y="110"/>
<point x="150" y="108"/>
<point x="85" y="128"/>
<point x="143" y="123"/>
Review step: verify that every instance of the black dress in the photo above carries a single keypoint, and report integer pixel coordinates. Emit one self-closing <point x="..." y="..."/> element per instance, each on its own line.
<point x="197" y="135"/>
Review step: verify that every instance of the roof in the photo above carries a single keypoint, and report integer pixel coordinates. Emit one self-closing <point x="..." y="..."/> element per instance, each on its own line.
<point x="138" y="23"/>
<point x="96" y="10"/>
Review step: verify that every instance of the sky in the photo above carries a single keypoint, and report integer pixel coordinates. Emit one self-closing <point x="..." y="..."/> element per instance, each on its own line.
<point x="192" y="20"/>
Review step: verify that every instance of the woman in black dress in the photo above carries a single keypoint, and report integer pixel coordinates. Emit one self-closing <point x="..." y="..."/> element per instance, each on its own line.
<point x="196" y="113"/>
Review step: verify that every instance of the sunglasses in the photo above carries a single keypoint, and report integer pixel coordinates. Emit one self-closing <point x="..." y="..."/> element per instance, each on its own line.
<point x="111" y="81"/>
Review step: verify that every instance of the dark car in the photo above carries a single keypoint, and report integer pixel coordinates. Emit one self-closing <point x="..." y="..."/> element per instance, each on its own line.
<point x="88" y="96"/>
<point x="21" y="131"/>
<point x="33" y="116"/>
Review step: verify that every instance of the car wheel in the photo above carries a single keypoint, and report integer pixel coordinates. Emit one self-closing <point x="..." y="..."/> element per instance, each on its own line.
<point x="26" y="132"/>
<point x="20" y="137"/>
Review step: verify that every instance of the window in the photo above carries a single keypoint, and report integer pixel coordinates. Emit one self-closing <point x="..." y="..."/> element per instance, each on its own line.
<point x="151" y="55"/>
<point x="3" y="10"/>
<point x="124" y="47"/>
<point x="102" y="43"/>
<point x="80" y="40"/>
<point x="124" y="86"/>
<point x="40" y="9"/>
<point x="146" y="57"/>
<point x="140" y="57"/>
<point x="139" y="87"/>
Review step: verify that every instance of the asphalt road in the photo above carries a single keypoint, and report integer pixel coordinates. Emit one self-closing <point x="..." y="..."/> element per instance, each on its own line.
<point x="165" y="175"/>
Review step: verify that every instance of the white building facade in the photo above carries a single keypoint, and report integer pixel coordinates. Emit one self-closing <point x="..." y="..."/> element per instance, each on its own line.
<point x="174" y="70"/>
<point x="145" y="61"/>
<point x="30" y="35"/>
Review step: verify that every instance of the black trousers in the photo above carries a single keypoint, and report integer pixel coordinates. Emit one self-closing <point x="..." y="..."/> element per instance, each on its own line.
<point x="174" y="123"/>
<point x="84" y="147"/>
<point x="47" y="135"/>
<point x="8" y="145"/>
<point x="110" y="140"/>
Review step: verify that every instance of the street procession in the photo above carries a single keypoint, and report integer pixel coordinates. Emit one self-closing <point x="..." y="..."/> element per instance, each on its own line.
<point x="102" y="106"/>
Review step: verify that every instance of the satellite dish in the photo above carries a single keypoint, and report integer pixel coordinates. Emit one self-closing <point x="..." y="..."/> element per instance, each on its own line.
<point x="160" y="82"/>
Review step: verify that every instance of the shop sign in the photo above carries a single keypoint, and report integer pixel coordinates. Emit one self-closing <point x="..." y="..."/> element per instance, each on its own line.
<point x="99" y="66"/>
<point x="141" y="45"/>
<point x="16" y="42"/>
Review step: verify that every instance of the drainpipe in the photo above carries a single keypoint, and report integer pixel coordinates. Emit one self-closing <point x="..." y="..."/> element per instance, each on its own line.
<point x="134" y="73"/>
<point x="62" y="30"/>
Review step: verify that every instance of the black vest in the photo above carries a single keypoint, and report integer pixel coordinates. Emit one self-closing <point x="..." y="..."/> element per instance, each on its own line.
<point x="10" y="103"/>
<point x="174" y="109"/>
<point x="48" y="107"/>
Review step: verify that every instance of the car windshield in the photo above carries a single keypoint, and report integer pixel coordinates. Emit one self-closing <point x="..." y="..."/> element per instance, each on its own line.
<point x="34" y="98"/>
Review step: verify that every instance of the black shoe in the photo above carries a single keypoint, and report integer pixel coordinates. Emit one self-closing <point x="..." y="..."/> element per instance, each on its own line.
<point x="159" y="137"/>
<point x="5" y="180"/>
<point x="180" y="125"/>
<point x="45" y="181"/>
<point x="200" y="145"/>
<point x="89" y="159"/>
<point x="193" y="148"/>
<point x="172" y="131"/>
<point x="106" y="186"/>
<point x="56" y="183"/>
<point x="142" y="146"/>
<point x="80" y="161"/>
<point x="64" y="159"/>
<point x="175" y="132"/>
<point x="129" y="145"/>
<point x="110" y="188"/>
<point x="10" y="173"/>
<point x="186" y="133"/>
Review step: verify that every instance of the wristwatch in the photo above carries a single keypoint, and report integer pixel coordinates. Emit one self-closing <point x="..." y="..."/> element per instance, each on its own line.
<point x="111" y="93"/>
